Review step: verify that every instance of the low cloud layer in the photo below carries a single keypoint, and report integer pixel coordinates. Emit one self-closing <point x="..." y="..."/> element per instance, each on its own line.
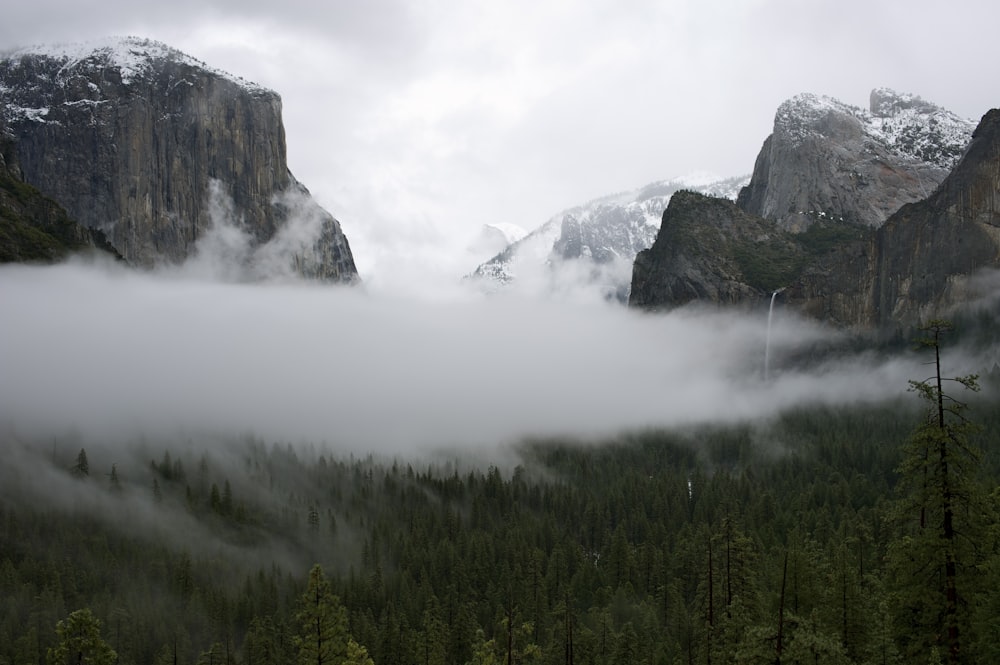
<point x="108" y="352"/>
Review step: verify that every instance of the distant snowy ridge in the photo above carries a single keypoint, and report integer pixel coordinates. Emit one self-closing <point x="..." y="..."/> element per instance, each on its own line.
<point x="592" y="246"/>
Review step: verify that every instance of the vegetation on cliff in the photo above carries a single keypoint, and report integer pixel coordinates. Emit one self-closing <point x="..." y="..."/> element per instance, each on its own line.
<point x="33" y="227"/>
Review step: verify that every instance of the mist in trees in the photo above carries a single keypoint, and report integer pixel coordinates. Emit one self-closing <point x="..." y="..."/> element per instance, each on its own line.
<point x="820" y="531"/>
<point x="780" y="540"/>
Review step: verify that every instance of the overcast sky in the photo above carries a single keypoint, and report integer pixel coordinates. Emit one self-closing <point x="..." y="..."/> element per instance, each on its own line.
<point x="415" y="122"/>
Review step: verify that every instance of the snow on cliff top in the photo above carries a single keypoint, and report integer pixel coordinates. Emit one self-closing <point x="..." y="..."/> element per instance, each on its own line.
<point x="904" y="123"/>
<point x="132" y="56"/>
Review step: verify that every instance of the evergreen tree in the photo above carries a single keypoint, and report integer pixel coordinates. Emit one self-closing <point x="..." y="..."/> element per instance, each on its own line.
<point x="80" y="642"/>
<point x="114" y="482"/>
<point x="214" y="655"/>
<point x="226" y="504"/>
<point x="357" y="654"/>
<point x="322" y="621"/>
<point x="82" y="466"/>
<point x="938" y="492"/>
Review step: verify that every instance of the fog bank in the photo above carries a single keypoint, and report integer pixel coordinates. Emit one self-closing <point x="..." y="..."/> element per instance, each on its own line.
<point x="109" y="352"/>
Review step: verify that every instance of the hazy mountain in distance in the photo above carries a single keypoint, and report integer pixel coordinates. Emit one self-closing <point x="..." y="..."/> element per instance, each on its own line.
<point x="589" y="249"/>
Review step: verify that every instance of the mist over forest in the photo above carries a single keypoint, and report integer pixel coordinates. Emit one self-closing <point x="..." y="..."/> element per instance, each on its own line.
<point x="105" y="351"/>
<point x="182" y="444"/>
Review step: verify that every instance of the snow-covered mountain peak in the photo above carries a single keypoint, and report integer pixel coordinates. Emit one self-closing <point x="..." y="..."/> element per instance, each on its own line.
<point x="592" y="246"/>
<point x="807" y="109"/>
<point x="886" y="102"/>
<point x="132" y="57"/>
<point x="905" y="124"/>
<point x="918" y="129"/>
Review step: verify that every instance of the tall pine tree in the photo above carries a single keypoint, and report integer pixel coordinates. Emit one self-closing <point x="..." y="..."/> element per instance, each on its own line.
<point x="935" y="553"/>
<point x="322" y="620"/>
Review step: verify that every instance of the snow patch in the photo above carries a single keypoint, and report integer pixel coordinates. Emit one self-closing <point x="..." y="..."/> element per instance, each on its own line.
<point x="592" y="246"/>
<point x="133" y="57"/>
<point x="903" y="123"/>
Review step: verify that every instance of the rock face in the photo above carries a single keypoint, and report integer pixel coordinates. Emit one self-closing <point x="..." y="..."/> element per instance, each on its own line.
<point x="709" y="250"/>
<point x="923" y="261"/>
<point x="928" y="252"/>
<point x="829" y="160"/>
<point x="33" y="227"/>
<point x="700" y="254"/>
<point x="920" y="264"/>
<point x="593" y="246"/>
<point x="130" y="136"/>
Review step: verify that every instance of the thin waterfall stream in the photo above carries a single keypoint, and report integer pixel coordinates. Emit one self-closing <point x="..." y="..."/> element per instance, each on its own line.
<point x="767" y="338"/>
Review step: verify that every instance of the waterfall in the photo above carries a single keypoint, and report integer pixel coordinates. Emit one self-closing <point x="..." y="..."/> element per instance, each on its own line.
<point x="767" y="339"/>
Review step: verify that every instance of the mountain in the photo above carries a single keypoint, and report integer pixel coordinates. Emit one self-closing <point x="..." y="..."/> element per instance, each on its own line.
<point x="155" y="148"/>
<point x="919" y="264"/>
<point x="828" y="160"/>
<point x="592" y="246"/>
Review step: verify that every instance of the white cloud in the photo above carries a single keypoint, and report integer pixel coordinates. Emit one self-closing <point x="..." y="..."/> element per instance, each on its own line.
<point x="112" y="353"/>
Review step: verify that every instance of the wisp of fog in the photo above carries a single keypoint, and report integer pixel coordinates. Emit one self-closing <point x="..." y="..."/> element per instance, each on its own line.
<point x="109" y="352"/>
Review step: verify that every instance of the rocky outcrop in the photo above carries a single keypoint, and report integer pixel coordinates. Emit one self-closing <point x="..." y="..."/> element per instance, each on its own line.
<point x="709" y="250"/>
<point x="928" y="252"/>
<point x="130" y="135"/>
<point x="33" y="227"/>
<point x="831" y="161"/>
<point x="920" y="264"/>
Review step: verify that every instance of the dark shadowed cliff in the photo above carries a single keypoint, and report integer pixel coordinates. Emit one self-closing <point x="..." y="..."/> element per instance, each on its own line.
<point x="928" y="251"/>
<point x="33" y="227"/>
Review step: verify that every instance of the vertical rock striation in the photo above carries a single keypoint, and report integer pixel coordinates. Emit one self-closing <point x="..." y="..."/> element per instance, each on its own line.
<point x="33" y="227"/>
<point x="928" y="252"/>
<point x="129" y="135"/>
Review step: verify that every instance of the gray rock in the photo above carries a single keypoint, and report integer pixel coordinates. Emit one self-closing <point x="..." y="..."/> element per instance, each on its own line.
<point x="929" y="252"/>
<point x="924" y="262"/>
<point x="129" y="135"/>
<point x="710" y="251"/>
<point x="33" y="227"/>
<point x="828" y="160"/>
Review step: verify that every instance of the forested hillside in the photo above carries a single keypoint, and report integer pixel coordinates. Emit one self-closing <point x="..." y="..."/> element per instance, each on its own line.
<point x="790" y="541"/>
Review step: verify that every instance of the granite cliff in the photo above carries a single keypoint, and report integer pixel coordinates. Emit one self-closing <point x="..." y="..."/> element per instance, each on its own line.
<point x="919" y="263"/>
<point x="826" y="159"/>
<point x="33" y="227"/>
<point x="928" y="252"/>
<point x="132" y="138"/>
<point x="923" y="262"/>
<point x="711" y="251"/>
